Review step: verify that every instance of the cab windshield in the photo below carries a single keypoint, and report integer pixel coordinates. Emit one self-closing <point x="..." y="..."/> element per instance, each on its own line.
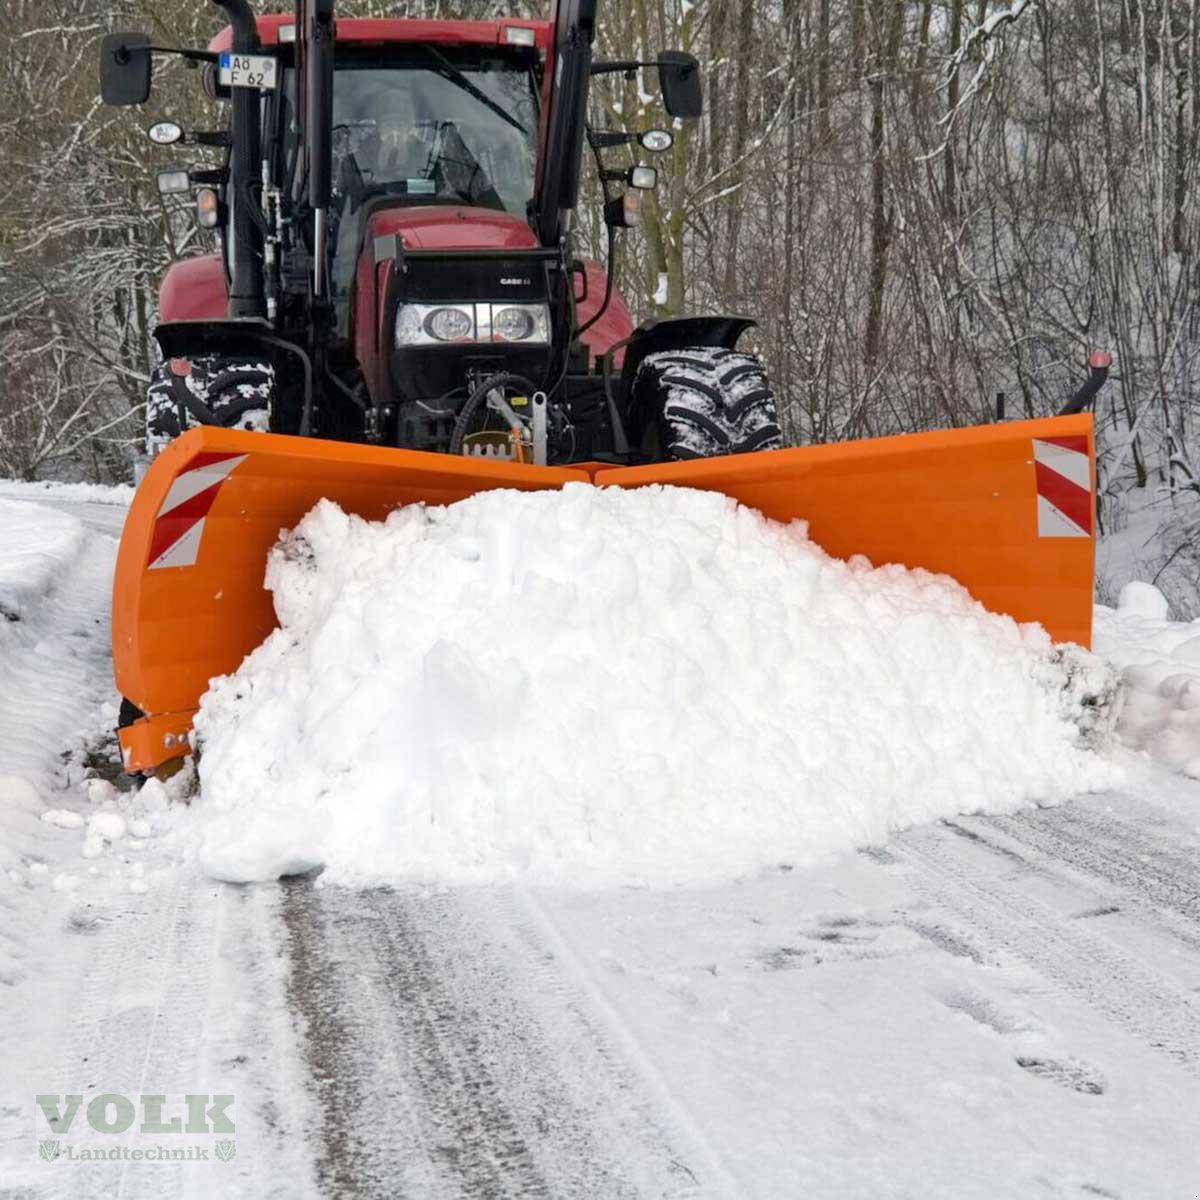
<point x="441" y="125"/>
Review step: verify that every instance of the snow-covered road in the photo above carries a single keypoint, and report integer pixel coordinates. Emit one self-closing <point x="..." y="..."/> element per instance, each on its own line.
<point x="1004" y="1006"/>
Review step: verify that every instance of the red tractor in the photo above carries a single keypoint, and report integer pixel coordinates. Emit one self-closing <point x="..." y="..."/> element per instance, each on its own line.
<point x="397" y="260"/>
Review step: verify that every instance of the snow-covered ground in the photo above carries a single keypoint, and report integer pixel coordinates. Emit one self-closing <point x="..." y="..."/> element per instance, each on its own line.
<point x="996" y="1004"/>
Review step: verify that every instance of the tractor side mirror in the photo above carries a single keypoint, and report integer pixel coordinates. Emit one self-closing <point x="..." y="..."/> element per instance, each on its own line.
<point x="125" y="69"/>
<point x="679" y="78"/>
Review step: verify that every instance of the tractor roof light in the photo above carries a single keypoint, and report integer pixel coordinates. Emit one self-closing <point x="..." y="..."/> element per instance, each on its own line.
<point x="164" y="133"/>
<point x="656" y="140"/>
<point x="518" y="35"/>
<point x="645" y="179"/>
<point x="171" y="183"/>
<point x="208" y="208"/>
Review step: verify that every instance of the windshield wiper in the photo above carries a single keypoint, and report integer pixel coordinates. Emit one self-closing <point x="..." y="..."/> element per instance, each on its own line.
<point x="449" y="71"/>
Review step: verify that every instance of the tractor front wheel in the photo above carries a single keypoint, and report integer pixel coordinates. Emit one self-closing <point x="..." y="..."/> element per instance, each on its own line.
<point x="233" y="393"/>
<point x="703" y="402"/>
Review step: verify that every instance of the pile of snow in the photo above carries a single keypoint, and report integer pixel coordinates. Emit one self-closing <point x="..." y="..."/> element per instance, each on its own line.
<point x="599" y="685"/>
<point x="1159" y="661"/>
<point x="81" y="493"/>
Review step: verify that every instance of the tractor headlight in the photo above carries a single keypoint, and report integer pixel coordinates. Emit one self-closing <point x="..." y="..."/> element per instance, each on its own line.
<point x="450" y="324"/>
<point x="511" y="324"/>
<point x="521" y="323"/>
<point x="437" y="324"/>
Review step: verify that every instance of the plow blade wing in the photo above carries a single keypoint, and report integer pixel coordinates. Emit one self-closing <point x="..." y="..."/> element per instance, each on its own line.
<point x="1007" y="510"/>
<point x="188" y="596"/>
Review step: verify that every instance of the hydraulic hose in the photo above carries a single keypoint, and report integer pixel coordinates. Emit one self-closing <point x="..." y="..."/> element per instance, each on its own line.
<point x="477" y="397"/>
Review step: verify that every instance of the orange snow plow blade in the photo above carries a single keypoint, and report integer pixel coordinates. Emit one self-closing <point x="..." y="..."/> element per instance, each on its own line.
<point x="188" y="595"/>
<point x="1005" y="509"/>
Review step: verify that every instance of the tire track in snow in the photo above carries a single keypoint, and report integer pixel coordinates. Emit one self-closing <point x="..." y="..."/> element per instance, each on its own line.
<point x="1119" y="868"/>
<point x="438" y="1066"/>
<point x="172" y="992"/>
<point x="1146" y="867"/>
<point x="143" y="989"/>
<point x="1161" y="1013"/>
<point x="179" y="995"/>
<point x="561" y="972"/>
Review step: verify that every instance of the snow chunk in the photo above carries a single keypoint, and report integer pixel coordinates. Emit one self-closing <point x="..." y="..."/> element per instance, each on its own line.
<point x="154" y="796"/>
<point x="1143" y="600"/>
<point x="63" y="818"/>
<point x="100" y="791"/>
<point x="19" y="794"/>
<point x="597" y="685"/>
<point x="1159" y="661"/>
<point x="110" y="825"/>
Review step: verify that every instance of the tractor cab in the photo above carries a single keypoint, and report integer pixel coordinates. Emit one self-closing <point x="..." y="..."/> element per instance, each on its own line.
<point x="399" y="263"/>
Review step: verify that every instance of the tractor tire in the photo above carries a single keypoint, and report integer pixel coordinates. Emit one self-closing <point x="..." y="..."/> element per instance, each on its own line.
<point x="232" y="393"/>
<point x="704" y="402"/>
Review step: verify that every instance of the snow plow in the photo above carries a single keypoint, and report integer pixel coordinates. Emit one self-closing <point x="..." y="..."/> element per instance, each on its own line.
<point x="397" y="315"/>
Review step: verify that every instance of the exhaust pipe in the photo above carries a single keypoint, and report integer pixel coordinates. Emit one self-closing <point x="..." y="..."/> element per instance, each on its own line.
<point x="1098" y="362"/>
<point x="317" y="31"/>
<point x="246" y="249"/>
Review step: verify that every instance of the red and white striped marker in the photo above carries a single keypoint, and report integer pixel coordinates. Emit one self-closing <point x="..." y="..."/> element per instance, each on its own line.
<point x="179" y="525"/>
<point x="1064" y="486"/>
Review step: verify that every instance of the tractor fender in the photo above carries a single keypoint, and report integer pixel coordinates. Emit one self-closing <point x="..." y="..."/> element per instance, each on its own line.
<point x="193" y="289"/>
<point x="676" y="333"/>
<point x="614" y="326"/>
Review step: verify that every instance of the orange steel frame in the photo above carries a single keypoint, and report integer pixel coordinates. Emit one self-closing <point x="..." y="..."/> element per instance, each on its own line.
<point x="962" y="502"/>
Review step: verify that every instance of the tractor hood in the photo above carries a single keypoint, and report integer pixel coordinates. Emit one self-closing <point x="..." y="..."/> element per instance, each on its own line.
<point x="443" y="227"/>
<point x="420" y="236"/>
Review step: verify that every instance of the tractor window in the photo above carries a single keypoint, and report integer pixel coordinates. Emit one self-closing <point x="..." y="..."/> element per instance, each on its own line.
<point x="440" y="126"/>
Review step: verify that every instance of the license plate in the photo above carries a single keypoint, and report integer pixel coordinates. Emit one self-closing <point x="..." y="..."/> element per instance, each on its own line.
<point x="247" y="70"/>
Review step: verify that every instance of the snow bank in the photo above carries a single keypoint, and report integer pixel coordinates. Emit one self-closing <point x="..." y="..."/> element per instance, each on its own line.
<point x="1159" y="661"/>
<point x="597" y="685"/>
<point x="82" y="493"/>
<point x="36" y="545"/>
